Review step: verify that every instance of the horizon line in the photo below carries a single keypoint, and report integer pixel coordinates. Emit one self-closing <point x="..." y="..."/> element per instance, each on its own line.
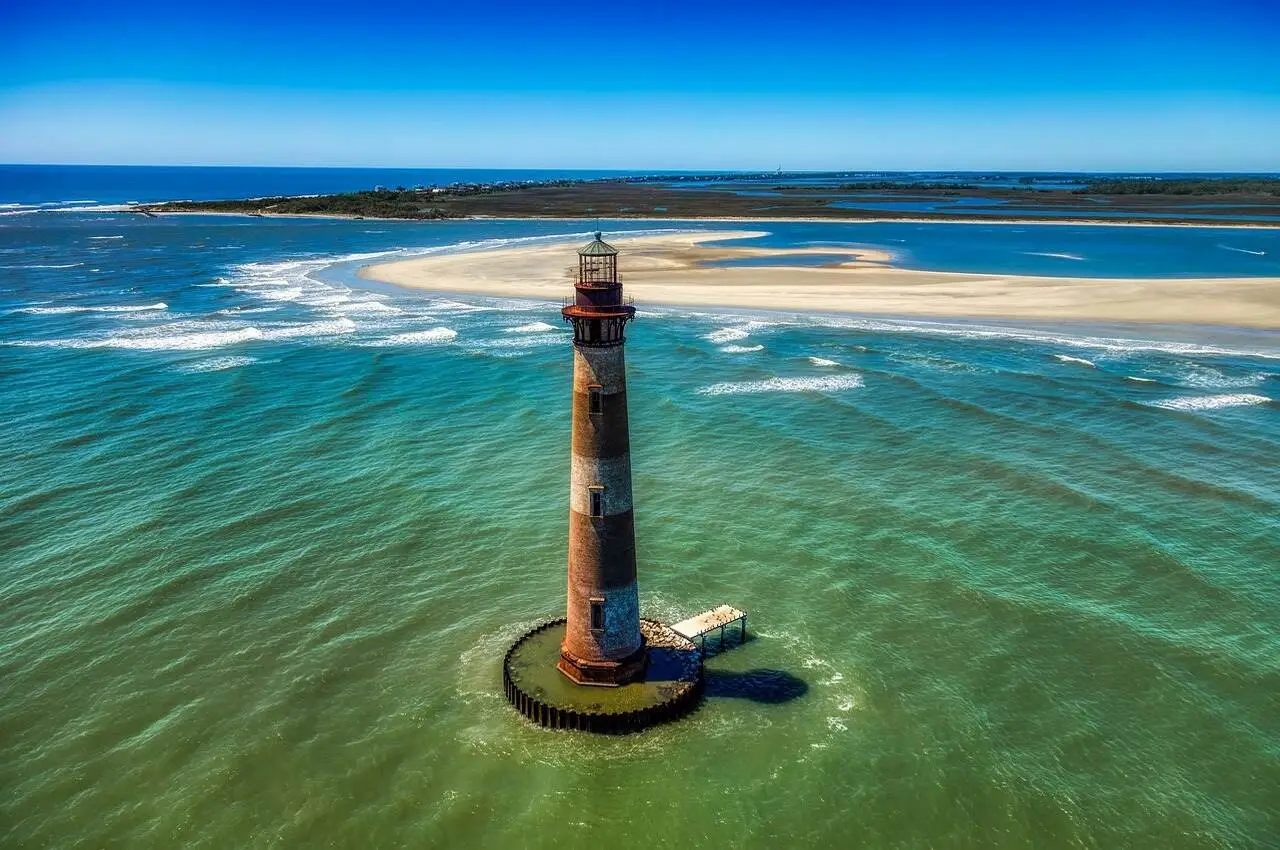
<point x="642" y="170"/>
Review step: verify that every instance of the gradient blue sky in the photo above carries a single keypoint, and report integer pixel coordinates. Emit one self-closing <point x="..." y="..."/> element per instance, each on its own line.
<point x="895" y="85"/>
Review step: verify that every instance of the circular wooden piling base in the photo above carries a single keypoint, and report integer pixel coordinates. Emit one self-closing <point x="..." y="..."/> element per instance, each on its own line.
<point x="670" y="688"/>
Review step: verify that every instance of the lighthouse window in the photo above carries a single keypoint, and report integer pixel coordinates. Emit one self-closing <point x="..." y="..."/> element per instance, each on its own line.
<point x="595" y="400"/>
<point x="597" y="615"/>
<point x="595" y="502"/>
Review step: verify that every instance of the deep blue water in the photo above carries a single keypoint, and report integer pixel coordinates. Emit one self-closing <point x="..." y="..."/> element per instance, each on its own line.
<point x="71" y="185"/>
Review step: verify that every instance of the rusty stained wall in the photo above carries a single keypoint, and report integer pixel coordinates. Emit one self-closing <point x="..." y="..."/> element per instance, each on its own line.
<point x="602" y="559"/>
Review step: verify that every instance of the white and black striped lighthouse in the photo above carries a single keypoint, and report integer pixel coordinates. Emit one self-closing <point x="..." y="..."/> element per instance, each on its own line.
<point x="602" y="643"/>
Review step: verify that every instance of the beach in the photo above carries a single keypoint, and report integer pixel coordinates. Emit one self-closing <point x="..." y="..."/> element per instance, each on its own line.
<point x="675" y="269"/>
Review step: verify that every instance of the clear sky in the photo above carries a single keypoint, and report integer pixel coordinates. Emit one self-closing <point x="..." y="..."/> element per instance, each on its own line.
<point x="896" y="84"/>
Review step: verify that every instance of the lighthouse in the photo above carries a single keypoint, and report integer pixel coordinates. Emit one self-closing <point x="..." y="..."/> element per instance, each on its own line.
<point x="601" y="667"/>
<point x="602" y="644"/>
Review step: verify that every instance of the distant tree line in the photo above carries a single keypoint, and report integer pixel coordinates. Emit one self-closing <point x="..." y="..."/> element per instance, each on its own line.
<point x="1201" y="187"/>
<point x="375" y="203"/>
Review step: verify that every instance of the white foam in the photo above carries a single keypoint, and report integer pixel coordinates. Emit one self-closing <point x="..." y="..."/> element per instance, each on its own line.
<point x="45" y="266"/>
<point x="181" y="342"/>
<point x="1211" y="402"/>
<point x="532" y="328"/>
<point x="517" y="345"/>
<point x="334" y="327"/>
<point x="1136" y="379"/>
<point x="367" y="307"/>
<point x="243" y="311"/>
<point x="741" y="349"/>
<point x="822" y="361"/>
<point x="1114" y="345"/>
<point x="727" y="335"/>
<point x="324" y="300"/>
<point x="217" y="364"/>
<point x="287" y="293"/>
<point x="1207" y="378"/>
<point x="197" y="335"/>
<point x="1067" y="358"/>
<point x="450" y="307"/>
<point x="434" y="336"/>
<point x="78" y="308"/>
<point x="823" y="384"/>
<point x="153" y="342"/>
<point x="106" y="237"/>
<point x="1054" y="255"/>
<point x="1243" y="251"/>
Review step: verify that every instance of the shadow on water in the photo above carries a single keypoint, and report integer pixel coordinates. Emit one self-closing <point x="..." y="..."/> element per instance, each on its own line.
<point x="760" y="685"/>
<point x="763" y="685"/>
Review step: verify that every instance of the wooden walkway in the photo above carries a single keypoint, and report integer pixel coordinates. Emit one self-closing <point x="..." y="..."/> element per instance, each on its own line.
<point x="709" y="621"/>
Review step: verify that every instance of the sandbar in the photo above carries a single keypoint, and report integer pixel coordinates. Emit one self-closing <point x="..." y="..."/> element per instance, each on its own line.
<point x="671" y="269"/>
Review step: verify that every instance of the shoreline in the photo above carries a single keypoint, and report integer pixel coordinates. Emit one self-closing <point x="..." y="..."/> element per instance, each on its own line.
<point x="673" y="269"/>
<point x="1091" y="222"/>
<point x="148" y="210"/>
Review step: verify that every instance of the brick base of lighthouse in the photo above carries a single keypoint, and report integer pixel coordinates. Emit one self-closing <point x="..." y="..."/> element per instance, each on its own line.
<point x="604" y="674"/>
<point x="669" y="687"/>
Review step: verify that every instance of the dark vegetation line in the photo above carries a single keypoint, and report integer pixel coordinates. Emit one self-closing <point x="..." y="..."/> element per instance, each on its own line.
<point x="1267" y="186"/>
<point x="670" y="197"/>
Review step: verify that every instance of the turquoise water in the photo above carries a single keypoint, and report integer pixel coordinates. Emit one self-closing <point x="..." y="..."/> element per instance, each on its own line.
<point x="974" y="206"/>
<point x="267" y="533"/>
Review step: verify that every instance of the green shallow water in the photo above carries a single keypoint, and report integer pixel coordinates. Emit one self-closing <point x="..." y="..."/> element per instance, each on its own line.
<point x="256" y="589"/>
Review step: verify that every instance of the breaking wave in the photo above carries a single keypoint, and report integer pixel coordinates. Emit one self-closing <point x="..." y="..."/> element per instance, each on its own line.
<point x="45" y="266"/>
<point x="1206" y="378"/>
<point x="1211" y="402"/>
<point x="433" y="336"/>
<point x="727" y="335"/>
<point x="1053" y="254"/>
<point x="532" y="328"/>
<point x="217" y="364"/>
<point x="79" y="308"/>
<point x="1113" y="345"/>
<point x="196" y="336"/>
<point x="824" y="384"/>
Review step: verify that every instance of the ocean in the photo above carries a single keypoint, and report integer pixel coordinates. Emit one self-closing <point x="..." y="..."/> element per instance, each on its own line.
<point x="24" y="188"/>
<point x="267" y="531"/>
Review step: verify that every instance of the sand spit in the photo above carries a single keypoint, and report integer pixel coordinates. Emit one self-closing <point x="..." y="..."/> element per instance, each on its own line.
<point x="672" y="269"/>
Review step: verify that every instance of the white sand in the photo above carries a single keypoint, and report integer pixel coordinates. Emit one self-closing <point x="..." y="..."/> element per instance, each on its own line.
<point x="666" y="269"/>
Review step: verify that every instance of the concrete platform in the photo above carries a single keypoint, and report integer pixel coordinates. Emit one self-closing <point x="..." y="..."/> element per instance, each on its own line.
<point x="707" y="621"/>
<point x="670" y="688"/>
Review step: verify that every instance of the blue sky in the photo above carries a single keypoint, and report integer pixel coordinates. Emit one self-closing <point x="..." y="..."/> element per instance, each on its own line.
<point x="895" y="85"/>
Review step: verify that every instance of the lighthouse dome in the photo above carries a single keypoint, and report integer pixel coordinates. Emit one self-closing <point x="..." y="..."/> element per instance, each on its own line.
<point x="598" y="248"/>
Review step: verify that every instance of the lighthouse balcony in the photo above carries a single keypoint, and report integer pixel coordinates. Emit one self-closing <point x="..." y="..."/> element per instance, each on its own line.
<point x="575" y="309"/>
